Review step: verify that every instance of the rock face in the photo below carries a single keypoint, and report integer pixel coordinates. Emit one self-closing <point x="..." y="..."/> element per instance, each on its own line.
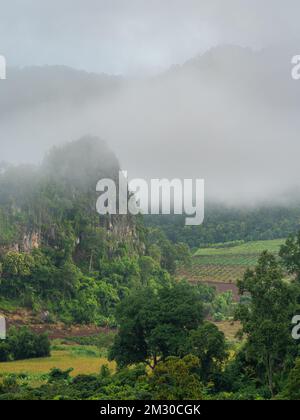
<point x="58" y="200"/>
<point x="28" y="242"/>
<point x="119" y="225"/>
<point x="122" y="228"/>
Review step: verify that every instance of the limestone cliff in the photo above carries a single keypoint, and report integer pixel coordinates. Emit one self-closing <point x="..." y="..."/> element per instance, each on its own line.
<point x="55" y="204"/>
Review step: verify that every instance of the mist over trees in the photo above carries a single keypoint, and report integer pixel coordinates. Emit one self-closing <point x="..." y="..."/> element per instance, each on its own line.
<point x="211" y="113"/>
<point x="124" y="307"/>
<point x="57" y="253"/>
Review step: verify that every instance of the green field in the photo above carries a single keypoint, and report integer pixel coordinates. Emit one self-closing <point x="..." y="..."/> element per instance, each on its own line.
<point x="85" y="355"/>
<point x="247" y="248"/>
<point x="227" y="263"/>
<point x="81" y="364"/>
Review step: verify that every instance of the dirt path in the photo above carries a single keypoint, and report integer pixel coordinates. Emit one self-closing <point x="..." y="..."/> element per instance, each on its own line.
<point x="23" y="317"/>
<point x="62" y="331"/>
<point x="225" y="287"/>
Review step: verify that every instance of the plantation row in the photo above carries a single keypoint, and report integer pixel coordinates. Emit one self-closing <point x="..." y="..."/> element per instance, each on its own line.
<point x="232" y="260"/>
<point x="227" y="264"/>
<point x="213" y="273"/>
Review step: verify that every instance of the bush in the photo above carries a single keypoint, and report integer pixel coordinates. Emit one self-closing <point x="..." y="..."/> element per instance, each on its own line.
<point x="59" y="375"/>
<point x="24" y="344"/>
<point x="4" y="351"/>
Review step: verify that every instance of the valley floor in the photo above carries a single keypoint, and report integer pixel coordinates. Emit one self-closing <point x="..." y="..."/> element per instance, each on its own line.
<point x="76" y="347"/>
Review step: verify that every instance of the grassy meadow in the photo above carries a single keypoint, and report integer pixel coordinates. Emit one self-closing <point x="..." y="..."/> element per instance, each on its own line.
<point x="85" y="355"/>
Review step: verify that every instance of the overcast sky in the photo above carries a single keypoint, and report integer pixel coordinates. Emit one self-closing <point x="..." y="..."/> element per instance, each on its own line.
<point x="132" y="37"/>
<point x="229" y="115"/>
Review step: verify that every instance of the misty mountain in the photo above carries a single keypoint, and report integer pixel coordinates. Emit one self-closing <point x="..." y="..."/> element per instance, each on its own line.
<point x="31" y="87"/>
<point x="229" y="116"/>
<point x="37" y="200"/>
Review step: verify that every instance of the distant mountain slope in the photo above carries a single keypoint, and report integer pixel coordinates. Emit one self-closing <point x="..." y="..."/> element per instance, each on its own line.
<point x="230" y="116"/>
<point x="40" y="205"/>
<point x="36" y="86"/>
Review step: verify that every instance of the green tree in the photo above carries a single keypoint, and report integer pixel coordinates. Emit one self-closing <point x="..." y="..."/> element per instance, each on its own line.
<point x="209" y="345"/>
<point x="291" y="390"/>
<point x="4" y="351"/>
<point x="147" y="267"/>
<point x="266" y="320"/>
<point x="25" y="344"/>
<point x="16" y="271"/>
<point x="176" y="379"/>
<point x="183" y="253"/>
<point x="155" y="324"/>
<point x="155" y="253"/>
<point x="290" y="254"/>
<point x="68" y="279"/>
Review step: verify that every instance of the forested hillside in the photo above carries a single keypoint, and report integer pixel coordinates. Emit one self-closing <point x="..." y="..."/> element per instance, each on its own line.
<point x="163" y="338"/>
<point x="57" y="254"/>
<point x="228" y="224"/>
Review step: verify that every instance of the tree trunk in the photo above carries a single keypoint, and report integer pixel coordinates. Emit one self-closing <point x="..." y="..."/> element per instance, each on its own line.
<point x="91" y="262"/>
<point x="270" y="375"/>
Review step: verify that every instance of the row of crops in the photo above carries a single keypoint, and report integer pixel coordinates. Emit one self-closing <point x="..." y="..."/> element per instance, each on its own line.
<point x="226" y="264"/>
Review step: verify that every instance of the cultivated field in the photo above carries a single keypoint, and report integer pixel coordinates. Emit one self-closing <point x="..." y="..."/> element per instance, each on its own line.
<point x="226" y="264"/>
<point x="246" y="249"/>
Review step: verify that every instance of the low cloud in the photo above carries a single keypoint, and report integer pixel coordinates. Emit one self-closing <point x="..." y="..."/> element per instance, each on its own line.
<point x="228" y="114"/>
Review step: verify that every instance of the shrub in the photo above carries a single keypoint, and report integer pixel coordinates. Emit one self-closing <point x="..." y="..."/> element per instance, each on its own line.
<point x="24" y="344"/>
<point x="4" y="351"/>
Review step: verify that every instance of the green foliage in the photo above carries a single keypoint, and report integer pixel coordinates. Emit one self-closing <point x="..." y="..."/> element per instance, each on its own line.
<point x="8" y="231"/>
<point x="291" y="390"/>
<point x="16" y="269"/>
<point x="102" y="340"/>
<point x="176" y="379"/>
<point x="217" y="306"/>
<point x="59" y="375"/>
<point x="209" y="345"/>
<point x="155" y="324"/>
<point x="230" y="224"/>
<point x="85" y="268"/>
<point x="245" y="248"/>
<point x="223" y="307"/>
<point x="80" y="271"/>
<point x="9" y="385"/>
<point x="168" y="254"/>
<point x="4" y="351"/>
<point x="266" y="320"/>
<point x="290" y="254"/>
<point x="128" y="384"/>
<point x="24" y="344"/>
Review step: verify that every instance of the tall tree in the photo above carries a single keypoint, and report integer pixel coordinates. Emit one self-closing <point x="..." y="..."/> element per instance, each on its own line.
<point x="208" y="344"/>
<point x="266" y="320"/>
<point x="290" y="254"/>
<point x="155" y="324"/>
<point x="176" y="379"/>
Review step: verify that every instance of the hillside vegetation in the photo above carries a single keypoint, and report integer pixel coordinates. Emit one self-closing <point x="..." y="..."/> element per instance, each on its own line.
<point x="62" y="264"/>
<point x="58" y="257"/>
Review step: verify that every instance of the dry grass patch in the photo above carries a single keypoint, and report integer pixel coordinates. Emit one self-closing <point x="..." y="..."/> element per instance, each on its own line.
<point x="59" y="359"/>
<point x="229" y="328"/>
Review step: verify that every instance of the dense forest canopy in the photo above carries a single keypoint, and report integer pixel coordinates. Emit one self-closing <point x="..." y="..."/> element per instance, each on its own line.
<point x="227" y="224"/>
<point x="58" y="254"/>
